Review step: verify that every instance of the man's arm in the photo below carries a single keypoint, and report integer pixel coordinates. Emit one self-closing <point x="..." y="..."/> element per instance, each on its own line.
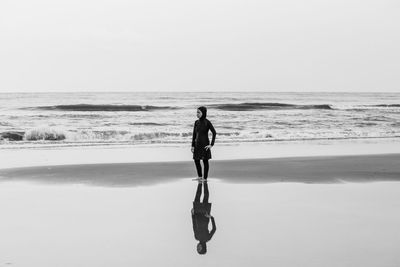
<point x="194" y="134"/>
<point x="214" y="133"/>
<point x="214" y="227"/>
<point x="194" y="222"/>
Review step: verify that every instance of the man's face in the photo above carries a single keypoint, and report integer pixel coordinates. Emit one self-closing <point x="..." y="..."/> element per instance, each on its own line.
<point x="199" y="247"/>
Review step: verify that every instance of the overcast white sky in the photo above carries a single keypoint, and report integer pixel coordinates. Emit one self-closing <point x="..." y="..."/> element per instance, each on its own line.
<point x="183" y="45"/>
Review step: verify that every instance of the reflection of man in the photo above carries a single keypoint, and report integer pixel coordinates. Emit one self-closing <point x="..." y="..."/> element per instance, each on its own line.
<point x="201" y="218"/>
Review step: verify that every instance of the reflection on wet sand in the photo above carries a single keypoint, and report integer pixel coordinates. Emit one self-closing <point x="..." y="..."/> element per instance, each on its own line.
<point x="201" y="216"/>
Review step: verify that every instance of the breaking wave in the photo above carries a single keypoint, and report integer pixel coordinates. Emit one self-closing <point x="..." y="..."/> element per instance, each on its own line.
<point x="90" y="107"/>
<point x="115" y="135"/>
<point x="269" y="106"/>
<point x="44" y="133"/>
<point x="52" y="134"/>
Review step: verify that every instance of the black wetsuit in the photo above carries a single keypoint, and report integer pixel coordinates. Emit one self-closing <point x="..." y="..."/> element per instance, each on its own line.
<point x="200" y="227"/>
<point x="199" y="219"/>
<point x="200" y="139"/>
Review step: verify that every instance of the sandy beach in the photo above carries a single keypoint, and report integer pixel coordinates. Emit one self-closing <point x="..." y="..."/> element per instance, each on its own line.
<point x="326" y="169"/>
<point x="293" y="211"/>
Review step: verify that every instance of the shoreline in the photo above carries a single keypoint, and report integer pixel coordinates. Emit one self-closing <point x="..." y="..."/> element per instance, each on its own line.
<point x="309" y="170"/>
<point x="29" y="157"/>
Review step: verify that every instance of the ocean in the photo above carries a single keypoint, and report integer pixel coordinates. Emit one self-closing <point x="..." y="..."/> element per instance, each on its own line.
<point x="91" y="119"/>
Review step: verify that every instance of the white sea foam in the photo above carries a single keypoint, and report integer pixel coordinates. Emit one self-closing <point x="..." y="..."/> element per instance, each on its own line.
<point x="44" y="133"/>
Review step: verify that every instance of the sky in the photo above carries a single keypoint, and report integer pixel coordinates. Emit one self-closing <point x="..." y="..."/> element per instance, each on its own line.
<point x="209" y="45"/>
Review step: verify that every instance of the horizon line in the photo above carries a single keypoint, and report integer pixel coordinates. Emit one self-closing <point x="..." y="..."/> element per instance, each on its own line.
<point x="199" y="91"/>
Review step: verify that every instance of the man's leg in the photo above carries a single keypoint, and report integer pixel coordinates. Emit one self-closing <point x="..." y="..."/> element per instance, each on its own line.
<point x="206" y="193"/>
<point x="198" y="193"/>
<point x="206" y="167"/>
<point x="198" y="167"/>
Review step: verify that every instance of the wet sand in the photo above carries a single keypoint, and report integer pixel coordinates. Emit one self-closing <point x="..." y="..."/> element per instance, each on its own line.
<point x="279" y="224"/>
<point x="327" y="169"/>
<point x="298" y="211"/>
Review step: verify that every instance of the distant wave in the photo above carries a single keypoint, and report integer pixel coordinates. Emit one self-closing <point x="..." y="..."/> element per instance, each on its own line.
<point x="366" y="124"/>
<point x="362" y="108"/>
<point x="12" y="136"/>
<point x="148" y="123"/>
<point x="376" y="118"/>
<point x="81" y="116"/>
<point x="4" y="123"/>
<point x="386" y="105"/>
<point x="90" y="107"/>
<point x="270" y="106"/>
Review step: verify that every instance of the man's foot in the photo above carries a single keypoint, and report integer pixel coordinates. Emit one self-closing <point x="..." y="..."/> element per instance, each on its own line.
<point x="200" y="179"/>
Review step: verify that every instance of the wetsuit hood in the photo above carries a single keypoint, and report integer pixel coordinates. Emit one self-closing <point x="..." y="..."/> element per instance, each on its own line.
<point x="203" y="112"/>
